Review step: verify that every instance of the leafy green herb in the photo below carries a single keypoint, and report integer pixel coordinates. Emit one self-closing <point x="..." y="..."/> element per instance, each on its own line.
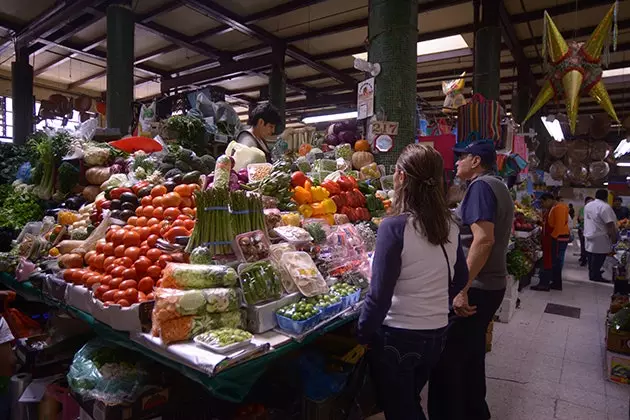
<point x="12" y="158"/>
<point x="18" y="209"/>
<point x="68" y="177"/>
<point x="189" y="132"/>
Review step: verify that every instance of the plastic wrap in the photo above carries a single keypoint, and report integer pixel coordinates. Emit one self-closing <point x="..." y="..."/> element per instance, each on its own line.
<point x="275" y="254"/>
<point x="293" y="234"/>
<point x="197" y="276"/>
<point x="251" y="246"/>
<point x="108" y="373"/>
<point x="174" y="303"/>
<point x="304" y="273"/>
<point x="224" y="338"/>
<point x="185" y="328"/>
<point x="260" y="282"/>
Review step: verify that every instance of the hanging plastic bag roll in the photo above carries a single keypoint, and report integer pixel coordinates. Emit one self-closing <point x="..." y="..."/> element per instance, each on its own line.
<point x="17" y="385"/>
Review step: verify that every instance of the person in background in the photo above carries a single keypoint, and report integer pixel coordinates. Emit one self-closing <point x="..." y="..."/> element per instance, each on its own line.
<point x="7" y="363"/>
<point x="263" y="121"/>
<point x="571" y="211"/>
<point x="556" y="233"/>
<point x="621" y="212"/>
<point x="418" y="267"/>
<point x="600" y="232"/>
<point x="580" y="227"/>
<point x="457" y="387"/>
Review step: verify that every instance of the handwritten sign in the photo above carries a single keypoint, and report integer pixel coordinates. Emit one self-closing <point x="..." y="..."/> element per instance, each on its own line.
<point x="389" y="128"/>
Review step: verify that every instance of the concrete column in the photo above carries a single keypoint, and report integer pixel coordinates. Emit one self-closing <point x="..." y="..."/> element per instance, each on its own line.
<point x="22" y="95"/>
<point x="120" y="57"/>
<point x="393" y="35"/>
<point x="487" y="77"/>
<point x="278" y="86"/>
<point x="521" y="101"/>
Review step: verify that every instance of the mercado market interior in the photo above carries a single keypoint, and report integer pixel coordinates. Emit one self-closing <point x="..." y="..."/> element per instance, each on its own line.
<point x="191" y="193"/>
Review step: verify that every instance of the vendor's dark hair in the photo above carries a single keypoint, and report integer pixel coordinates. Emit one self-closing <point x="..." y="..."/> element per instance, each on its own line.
<point x="266" y="112"/>
<point x="587" y="199"/>
<point x="547" y="196"/>
<point x="422" y="192"/>
<point x="601" y="195"/>
<point x="618" y="199"/>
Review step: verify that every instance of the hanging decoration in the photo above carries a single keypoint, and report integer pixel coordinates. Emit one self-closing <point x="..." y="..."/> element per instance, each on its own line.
<point x="454" y="96"/>
<point x="575" y="68"/>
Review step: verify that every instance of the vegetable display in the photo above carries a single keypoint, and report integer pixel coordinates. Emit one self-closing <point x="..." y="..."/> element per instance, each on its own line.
<point x="299" y="311"/>
<point x="304" y="273"/>
<point x="343" y="289"/>
<point x="48" y="152"/>
<point x="260" y="282"/>
<point x="195" y="276"/>
<point x="252" y="246"/>
<point x="224" y="337"/>
<point x="185" y="328"/>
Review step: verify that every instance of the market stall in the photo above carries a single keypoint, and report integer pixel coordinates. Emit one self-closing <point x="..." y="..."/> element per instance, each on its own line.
<point x="214" y="268"/>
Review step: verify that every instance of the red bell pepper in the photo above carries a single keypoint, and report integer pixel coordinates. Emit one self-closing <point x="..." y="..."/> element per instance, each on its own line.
<point x="350" y="212"/>
<point x="339" y="200"/>
<point x="346" y="183"/>
<point x="332" y="187"/>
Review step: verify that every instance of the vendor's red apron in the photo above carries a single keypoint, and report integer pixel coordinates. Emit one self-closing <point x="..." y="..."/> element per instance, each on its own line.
<point x="546" y="241"/>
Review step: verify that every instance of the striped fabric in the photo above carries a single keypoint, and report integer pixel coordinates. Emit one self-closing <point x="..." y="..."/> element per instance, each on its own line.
<point x="482" y="116"/>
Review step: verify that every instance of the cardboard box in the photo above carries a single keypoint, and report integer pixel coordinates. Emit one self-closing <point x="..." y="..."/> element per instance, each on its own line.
<point x="618" y="366"/>
<point x="511" y="289"/>
<point x="79" y="297"/>
<point x="618" y="342"/>
<point x="54" y="287"/>
<point x="151" y="404"/>
<point x="135" y="318"/>
<point x="506" y="310"/>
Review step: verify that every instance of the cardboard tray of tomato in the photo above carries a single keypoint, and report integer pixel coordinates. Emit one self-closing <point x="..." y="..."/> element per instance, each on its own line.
<point x="134" y="318"/>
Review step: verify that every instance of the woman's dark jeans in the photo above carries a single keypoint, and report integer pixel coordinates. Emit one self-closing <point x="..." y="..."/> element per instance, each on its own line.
<point x="400" y="363"/>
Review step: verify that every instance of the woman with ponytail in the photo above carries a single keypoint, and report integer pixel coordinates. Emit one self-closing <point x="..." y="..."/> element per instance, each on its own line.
<point x="418" y="267"/>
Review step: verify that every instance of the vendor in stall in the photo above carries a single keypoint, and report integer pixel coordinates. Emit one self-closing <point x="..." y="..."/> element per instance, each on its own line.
<point x="620" y="210"/>
<point x="263" y="121"/>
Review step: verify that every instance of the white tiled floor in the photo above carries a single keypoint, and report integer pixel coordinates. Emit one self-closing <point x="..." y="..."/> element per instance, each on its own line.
<point x="545" y="367"/>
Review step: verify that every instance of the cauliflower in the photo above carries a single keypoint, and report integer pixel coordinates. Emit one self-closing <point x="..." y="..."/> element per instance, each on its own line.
<point x="95" y="156"/>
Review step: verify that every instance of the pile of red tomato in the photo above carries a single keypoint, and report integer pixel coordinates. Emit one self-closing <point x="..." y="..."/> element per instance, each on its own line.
<point x="127" y="264"/>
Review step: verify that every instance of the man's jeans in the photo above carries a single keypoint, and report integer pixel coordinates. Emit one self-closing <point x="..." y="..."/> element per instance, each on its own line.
<point x="595" y="264"/>
<point x="401" y="362"/>
<point x="554" y="276"/>
<point x="457" y="388"/>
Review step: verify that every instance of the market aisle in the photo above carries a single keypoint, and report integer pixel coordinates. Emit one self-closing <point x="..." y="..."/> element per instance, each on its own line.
<point x="545" y="366"/>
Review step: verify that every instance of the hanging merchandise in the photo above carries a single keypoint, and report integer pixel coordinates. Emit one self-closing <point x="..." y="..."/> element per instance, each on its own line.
<point x="444" y="145"/>
<point x="578" y="150"/>
<point x="480" y="115"/>
<point x="557" y="170"/>
<point x="575" y="68"/>
<point x="453" y="91"/>
<point x="558" y="149"/>
<point x="578" y="173"/>
<point x="599" y="150"/>
<point x="598" y="170"/>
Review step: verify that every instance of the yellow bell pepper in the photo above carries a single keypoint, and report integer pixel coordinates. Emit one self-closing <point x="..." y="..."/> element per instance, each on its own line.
<point x="306" y="210"/>
<point x="302" y="195"/>
<point x="329" y="206"/>
<point x="319" y="193"/>
<point x="328" y="217"/>
<point x="318" y="209"/>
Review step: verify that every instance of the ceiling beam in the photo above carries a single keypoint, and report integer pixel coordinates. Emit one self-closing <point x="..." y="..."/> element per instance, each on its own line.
<point x="580" y="32"/>
<point x="183" y="41"/>
<point x="561" y="9"/>
<point x="228" y="18"/>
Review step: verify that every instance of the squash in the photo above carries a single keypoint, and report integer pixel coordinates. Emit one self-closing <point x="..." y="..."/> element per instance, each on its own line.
<point x="90" y="192"/>
<point x="97" y="175"/>
<point x="70" y="261"/>
<point x="304" y="149"/>
<point x="361" y="159"/>
<point x="362" y="146"/>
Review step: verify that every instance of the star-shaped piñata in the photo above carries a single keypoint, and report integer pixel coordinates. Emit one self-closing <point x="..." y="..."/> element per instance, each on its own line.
<point x="575" y="69"/>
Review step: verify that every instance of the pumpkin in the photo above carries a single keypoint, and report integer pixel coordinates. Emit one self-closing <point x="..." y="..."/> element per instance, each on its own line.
<point x="362" y="146"/>
<point x="361" y="159"/>
<point x="304" y="149"/>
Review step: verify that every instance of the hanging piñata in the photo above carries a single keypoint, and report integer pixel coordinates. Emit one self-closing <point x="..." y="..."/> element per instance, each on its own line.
<point x="575" y="67"/>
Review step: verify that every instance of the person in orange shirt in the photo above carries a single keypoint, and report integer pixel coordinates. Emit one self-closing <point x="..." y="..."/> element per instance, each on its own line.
<point x="555" y="229"/>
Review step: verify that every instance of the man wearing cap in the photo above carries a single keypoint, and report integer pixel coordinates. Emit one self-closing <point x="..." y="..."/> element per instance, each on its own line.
<point x="457" y="388"/>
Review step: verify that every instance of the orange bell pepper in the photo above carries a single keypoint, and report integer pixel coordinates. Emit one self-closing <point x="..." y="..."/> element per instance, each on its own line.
<point x="302" y="196"/>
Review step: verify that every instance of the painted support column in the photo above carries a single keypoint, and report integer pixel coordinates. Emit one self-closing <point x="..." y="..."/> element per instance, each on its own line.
<point x="487" y="77"/>
<point x="521" y="100"/>
<point x="278" y="85"/>
<point x="22" y="95"/>
<point x="392" y="37"/>
<point x="120" y="57"/>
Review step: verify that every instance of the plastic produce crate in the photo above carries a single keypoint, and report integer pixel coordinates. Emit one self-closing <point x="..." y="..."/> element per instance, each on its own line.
<point x="297" y="327"/>
<point x="350" y="300"/>
<point x="331" y="310"/>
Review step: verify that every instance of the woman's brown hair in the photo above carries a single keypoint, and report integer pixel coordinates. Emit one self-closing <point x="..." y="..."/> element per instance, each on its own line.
<point x="421" y="193"/>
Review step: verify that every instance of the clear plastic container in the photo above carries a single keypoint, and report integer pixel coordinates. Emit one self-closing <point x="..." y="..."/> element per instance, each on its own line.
<point x="387" y="182"/>
<point x="275" y="254"/>
<point x="251" y="246"/>
<point x="304" y="273"/>
<point x="293" y="234"/>
<point x="258" y="171"/>
<point x="225" y="349"/>
<point x="260" y="282"/>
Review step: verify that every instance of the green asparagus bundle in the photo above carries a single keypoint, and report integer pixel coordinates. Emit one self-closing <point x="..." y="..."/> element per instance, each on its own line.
<point x="213" y="227"/>
<point x="246" y="212"/>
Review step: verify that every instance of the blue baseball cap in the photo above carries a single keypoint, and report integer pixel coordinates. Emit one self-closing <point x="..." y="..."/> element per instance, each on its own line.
<point x="482" y="148"/>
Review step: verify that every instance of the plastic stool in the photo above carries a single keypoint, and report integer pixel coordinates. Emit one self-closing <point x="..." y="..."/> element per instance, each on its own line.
<point x="70" y="408"/>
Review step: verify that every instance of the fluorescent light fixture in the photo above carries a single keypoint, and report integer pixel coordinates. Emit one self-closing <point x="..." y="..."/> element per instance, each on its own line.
<point x="622" y="149"/>
<point x="553" y="128"/>
<point x="605" y="184"/>
<point x="616" y="72"/>
<point x="433" y="46"/>
<point x="330" y="117"/>
<point x="623" y="164"/>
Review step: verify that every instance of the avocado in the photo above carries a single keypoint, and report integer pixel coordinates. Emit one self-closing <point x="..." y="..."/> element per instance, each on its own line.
<point x="191" y="177"/>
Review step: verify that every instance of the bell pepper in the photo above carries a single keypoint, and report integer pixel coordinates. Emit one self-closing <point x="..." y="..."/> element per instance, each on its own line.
<point x="302" y="196"/>
<point x="306" y="210"/>
<point x="298" y="179"/>
<point x="339" y="200"/>
<point x="332" y="187"/>
<point x="329" y="218"/>
<point x="308" y="184"/>
<point x="349" y="211"/>
<point x="318" y="209"/>
<point x="329" y="205"/>
<point x="346" y="183"/>
<point x="319" y="193"/>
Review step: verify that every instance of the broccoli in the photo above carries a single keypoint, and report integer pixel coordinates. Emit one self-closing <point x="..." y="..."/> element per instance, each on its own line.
<point x="185" y="167"/>
<point x="208" y="163"/>
<point x="172" y="173"/>
<point x="165" y="167"/>
<point x="185" y="155"/>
